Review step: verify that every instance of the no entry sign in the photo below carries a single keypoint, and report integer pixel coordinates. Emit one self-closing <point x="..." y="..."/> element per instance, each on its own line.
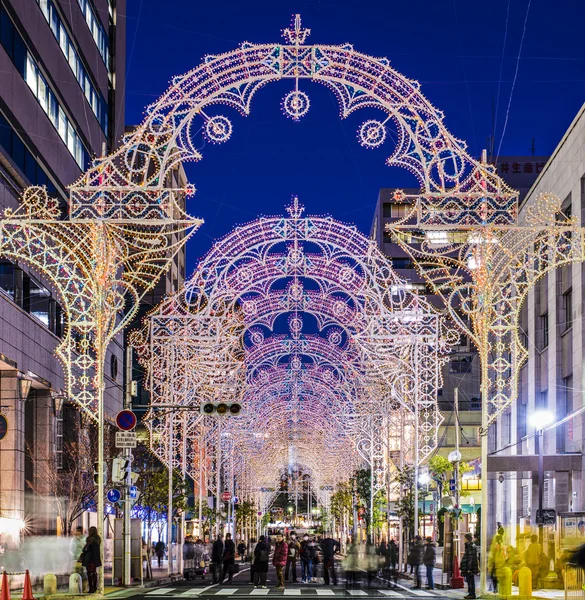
<point x="126" y="420"/>
<point x="226" y="496"/>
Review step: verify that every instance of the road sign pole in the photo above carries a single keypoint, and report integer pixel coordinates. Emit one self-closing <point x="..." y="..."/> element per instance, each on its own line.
<point x="127" y="535"/>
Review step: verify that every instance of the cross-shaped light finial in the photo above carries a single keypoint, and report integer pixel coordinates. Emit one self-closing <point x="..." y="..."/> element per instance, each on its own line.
<point x="295" y="210"/>
<point x="295" y="34"/>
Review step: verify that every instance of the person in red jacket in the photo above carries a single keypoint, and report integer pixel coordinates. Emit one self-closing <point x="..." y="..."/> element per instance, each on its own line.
<point x="279" y="559"/>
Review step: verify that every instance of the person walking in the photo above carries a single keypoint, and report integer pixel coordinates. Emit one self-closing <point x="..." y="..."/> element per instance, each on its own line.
<point x="242" y="551"/>
<point x="90" y="558"/>
<point x="429" y="560"/>
<point x="229" y="558"/>
<point x="470" y="565"/>
<point x="532" y="559"/>
<point x="76" y="546"/>
<point x="279" y="559"/>
<point x="260" y="564"/>
<point x="307" y="555"/>
<point x="291" y="560"/>
<point x="329" y="547"/>
<point x="415" y="559"/>
<point x="159" y="550"/>
<point x="217" y="558"/>
<point x="393" y="555"/>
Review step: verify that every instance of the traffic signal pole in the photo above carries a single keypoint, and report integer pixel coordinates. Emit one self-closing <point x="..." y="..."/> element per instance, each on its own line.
<point x="127" y="531"/>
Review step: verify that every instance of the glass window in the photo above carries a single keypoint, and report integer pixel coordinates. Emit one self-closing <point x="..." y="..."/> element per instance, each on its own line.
<point x="399" y="211"/>
<point x="568" y="309"/>
<point x="31" y="74"/>
<point x="62" y="125"/>
<point x="5" y="135"/>
<point x="18" y="152"/>
<point x="544" y="324"/>
<point x="39" y="301"/>
<point x="30" y="167"/>
<point x="7" y="278"/>
<point x="43" y="93"/>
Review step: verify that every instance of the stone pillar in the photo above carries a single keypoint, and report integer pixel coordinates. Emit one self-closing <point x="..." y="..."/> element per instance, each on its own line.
<point x="11" y="458"/>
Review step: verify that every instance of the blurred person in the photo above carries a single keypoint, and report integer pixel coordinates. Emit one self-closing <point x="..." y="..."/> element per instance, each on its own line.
<point x="76" y="546"/>
<point x="279" y="559"/>
<point x="228" y="558"/>
<point x="217" y="558"/>
<point x="242" y="550"/>
<point x="496" y="560"/>
<point x="145" y="556"/>
<point x="159" y="550"/>
<point x="307" y="555"/>
<point x="371" y="562"/>
<point x="532" y="559"/>
<point x="294" y="549"/>
<point x="470" y="566"/>
<point x="351" y="565"/>
<point x="415" y="558"/>
<point x="260" y="562"/>
<point x="393" y="555"/>
<point x="329" y="547"/>
<point x="316" y="560"/>
<point x="429" y="561"/>
<point x="90" y="558"/>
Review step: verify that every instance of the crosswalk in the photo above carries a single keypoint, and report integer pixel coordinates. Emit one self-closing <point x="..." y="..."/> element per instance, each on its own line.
<point x="215" y="590"/>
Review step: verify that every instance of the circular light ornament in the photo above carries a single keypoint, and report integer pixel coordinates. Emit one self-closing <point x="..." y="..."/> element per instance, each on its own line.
<point x="218" y="129"/>
<point x="372" y="134"/>
<point x="296" y="105"/>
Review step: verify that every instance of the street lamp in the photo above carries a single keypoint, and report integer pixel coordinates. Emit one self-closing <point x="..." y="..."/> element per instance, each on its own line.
<point x="423" y="480"/>
<point x="541" y="419"/>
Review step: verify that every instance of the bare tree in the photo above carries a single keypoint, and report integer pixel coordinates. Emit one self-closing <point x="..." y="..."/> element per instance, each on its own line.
<point x="71" y="488"/>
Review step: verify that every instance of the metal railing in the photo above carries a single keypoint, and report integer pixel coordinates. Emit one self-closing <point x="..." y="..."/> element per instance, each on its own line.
<point x="574" y="580"/>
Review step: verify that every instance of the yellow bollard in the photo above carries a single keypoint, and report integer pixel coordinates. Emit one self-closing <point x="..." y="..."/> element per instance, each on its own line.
<point x="50" y="584"/>
<point x="525" y="583"/>
<point x="505" y="582"/>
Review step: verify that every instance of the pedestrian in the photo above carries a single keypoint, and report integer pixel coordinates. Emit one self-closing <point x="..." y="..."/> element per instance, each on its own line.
<point x="497" y="559"/>
<point x="532" y="559"/>
<point x="429" y="560"/>
<point x="159" y="550"/>
<point x="291" y="560"/>
<point x="229" y="558"/>
<point x="307" y="554"/>
<point x="329" y="547"/>
<point x="91" y="558"/>
<point x="393" y="555"/>
<point x="217" y="558"/>
<point x="316" y="560"/>
<point x="470" y="565"/>
<point x="279" y="559"/>
<point x="242" y="550"/>
<point x="145" y="555"/>
<point x="76" y="546"/>
<point x="415" y="559"/>
<point x="260" y="564"/>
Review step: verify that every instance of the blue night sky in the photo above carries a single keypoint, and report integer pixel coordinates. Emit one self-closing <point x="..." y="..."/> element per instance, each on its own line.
<point x="457" y="49"/>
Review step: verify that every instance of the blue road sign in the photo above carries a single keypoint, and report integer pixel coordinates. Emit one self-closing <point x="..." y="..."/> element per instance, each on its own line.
<point x="133" y="491"/>
<point x="451" y="485"/>
<point x="114" y="496"/>
<point x="235" y="500"/>
<point x="126" y="420"/>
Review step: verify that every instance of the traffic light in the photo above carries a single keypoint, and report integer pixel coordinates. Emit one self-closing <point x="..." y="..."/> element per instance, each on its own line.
<point x="95" y="473"/>
<point x="120" y="469"/>
<point x="221" y="408"/>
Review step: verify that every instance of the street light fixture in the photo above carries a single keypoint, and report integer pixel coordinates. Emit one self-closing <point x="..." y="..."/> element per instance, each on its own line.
<point x="541" y="419"/>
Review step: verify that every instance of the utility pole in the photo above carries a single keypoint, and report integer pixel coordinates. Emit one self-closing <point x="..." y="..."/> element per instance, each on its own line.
<point x="170" y="498"/>
<point x="455" y="458"/>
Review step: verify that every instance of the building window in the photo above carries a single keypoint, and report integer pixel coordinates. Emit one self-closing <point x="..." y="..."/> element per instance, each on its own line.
<point x="402" y="263"/>
<point x="460" y="365"/>
<point x="567" y="310"/>
<point x="544" y="325"/>
<point x="542" y="399"/>
<point x="28" y="68"/>
<point x="39" y="301"/>
<point x="97" y="31"/>
<point x="525" y="501"/>
<point x="506" y="428"/>
<point x="399" y="211"/>
<point x="59" y="440"/>
<point x="521" y="419"/>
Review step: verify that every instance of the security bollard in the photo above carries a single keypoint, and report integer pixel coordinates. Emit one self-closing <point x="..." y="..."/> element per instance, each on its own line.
<point x="50" y="584"/>
<point x="505" y="582"/>
<point x="75" y="583"/>
<point x="525" y="583"/>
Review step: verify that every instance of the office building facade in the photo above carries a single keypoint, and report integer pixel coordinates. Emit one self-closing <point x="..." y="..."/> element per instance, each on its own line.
<point x="61" y="103"/>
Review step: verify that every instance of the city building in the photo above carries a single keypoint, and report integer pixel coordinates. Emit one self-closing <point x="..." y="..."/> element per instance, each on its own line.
<point x="61" y="103"/>
<point x="552" y="328"/>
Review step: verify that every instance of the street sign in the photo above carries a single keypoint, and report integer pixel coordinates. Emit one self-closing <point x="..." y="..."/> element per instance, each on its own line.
<point x="126" y="420"/>
<point x="451" y="485"/>
<point x="226" y="496"/>
<point x="548" y="516"/>
<point x="133" y="491"/>
<point x="3" y="426"/>
<point x="125" y="439"/>
<point x="235" y="500"/>
<point x="114" y="496"/>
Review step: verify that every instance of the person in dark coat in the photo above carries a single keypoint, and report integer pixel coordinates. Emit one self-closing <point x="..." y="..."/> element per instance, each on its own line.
<point x="91" y="559"/>
<point x="393" y="555"/>
<point x="429" y="560"/>
<point x="415" y="559"/>
<point x="294" y="549"/>
<point x="260" y="565"/>
<point x="217" y="558"/>
<point x="470" y="565"/>
<point x="279" y="559"/>
<point x="329" y="547"/>
<point x="229" y="558"/>
<point x="159" y="550"/>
